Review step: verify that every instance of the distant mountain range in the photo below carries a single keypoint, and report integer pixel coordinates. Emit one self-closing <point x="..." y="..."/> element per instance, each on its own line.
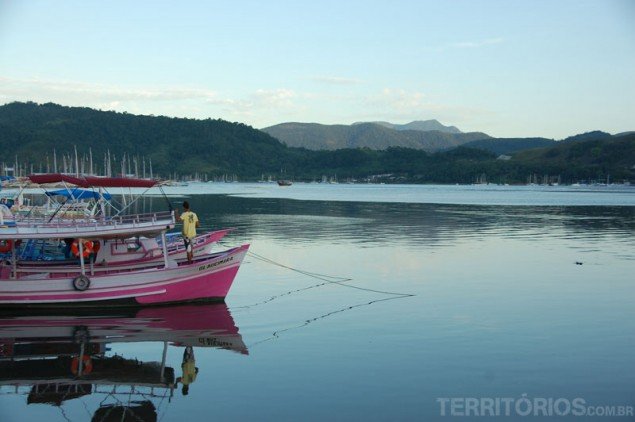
<point x="426" y="135"/>
<point x="423" y="135"/>
<point x="422" y="125"/>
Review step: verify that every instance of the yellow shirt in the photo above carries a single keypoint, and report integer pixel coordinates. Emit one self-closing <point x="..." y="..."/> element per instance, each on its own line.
<point x="189" y="372"/>
<point x="189" y="220"/>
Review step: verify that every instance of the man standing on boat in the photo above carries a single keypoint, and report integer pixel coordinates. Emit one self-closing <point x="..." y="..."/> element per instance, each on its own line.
<point x="190" y="223"/>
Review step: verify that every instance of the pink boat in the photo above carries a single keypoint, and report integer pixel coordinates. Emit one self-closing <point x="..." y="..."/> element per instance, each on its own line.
<point x="208" y="278"/>
<point x="138" y="282"/>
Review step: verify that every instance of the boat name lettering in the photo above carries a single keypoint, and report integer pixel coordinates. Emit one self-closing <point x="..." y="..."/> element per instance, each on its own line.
<point x="214" y="342"/>
<point x="214" y="264"/>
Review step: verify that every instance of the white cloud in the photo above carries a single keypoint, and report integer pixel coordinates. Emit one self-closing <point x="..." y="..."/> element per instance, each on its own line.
<point x="90" y="94"/>
<point x="260" y="108"/>
<point x="262" y="101"/>
<point x="401" y="99"/>
<point x="275" y="98"/>
<point x="469" y="44"/>
<point x="170" y="101"/>
<point x="336" y="80"/>
<point x="400" y="105"/>
<point x="477" y="43"/>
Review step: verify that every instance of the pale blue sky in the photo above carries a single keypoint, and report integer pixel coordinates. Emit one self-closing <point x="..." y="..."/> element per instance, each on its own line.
<point x="548" y="68"/>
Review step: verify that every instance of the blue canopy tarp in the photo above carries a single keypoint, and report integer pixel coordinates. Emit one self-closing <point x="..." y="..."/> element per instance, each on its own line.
<point x="78" y="194"/>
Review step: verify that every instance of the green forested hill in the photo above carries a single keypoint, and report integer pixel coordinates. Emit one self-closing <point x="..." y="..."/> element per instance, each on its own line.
<point x="585" y="158"/>
<point x="509" y="145"/>
<point x="173" y="144"/>
<point x="184" y="147"/>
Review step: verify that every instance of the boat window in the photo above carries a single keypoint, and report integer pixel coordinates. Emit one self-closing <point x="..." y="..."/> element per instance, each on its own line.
<point x="133" y="246"/>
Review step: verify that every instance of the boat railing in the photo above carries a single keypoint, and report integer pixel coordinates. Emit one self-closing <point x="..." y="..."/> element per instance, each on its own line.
<point x="97" y="221"/>
<point x="131" y="389"/>
<point x="104" y="268"/>
<point x="95" y="268"/>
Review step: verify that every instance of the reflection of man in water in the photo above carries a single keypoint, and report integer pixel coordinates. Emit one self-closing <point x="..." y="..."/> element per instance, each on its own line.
<point x="189" y="370"/>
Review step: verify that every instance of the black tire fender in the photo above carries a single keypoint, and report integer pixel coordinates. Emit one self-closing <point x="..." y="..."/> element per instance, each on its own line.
<point x="81" y="283"/>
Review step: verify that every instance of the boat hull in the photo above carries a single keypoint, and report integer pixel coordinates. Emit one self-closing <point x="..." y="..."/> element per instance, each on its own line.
<point x="208" y="278"/>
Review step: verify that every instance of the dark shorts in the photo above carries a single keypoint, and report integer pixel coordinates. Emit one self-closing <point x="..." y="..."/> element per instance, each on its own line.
<point x="188" y="244"/>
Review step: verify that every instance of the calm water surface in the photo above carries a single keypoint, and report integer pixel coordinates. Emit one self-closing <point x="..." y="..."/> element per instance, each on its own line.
<point x="360" y="303"/>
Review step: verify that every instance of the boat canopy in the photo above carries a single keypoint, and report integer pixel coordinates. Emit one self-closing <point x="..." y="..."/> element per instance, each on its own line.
<point x="79" y="194"/>
<point x="93" y="181"/>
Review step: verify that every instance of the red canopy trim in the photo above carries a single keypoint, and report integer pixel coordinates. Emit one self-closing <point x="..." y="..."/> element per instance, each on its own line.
<point x="93" y="181"/>
<point x="56" y="178"/>
<point x="119" y="182"/>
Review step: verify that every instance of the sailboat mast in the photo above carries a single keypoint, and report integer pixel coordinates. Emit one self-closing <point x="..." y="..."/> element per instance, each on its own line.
<point x="76" y="161"/>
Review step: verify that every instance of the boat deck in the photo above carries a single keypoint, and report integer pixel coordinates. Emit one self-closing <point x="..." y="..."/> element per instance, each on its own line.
<point x="38" y="227"/>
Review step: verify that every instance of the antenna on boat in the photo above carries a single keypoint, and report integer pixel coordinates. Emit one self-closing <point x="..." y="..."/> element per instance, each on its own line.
<point x="166" y="198"/>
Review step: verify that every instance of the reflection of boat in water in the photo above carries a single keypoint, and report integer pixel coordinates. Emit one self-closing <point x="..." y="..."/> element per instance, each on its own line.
<point x="56" y="357"/>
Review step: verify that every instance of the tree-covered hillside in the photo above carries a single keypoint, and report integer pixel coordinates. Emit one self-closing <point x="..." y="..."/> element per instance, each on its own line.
<point x="32" y="131"/>
<point x="509" y="145"/>
<point x="585" y="158"/>
<point x="176" y="147"/>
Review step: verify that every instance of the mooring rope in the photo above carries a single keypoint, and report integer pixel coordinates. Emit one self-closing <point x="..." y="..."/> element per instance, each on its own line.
<point x="327" y="279"/>
<point x="276" y="334"/>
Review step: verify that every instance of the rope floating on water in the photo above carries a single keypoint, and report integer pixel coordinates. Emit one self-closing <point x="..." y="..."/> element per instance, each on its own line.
<point x="276" y="334"/>
<point x="327" y="279"/>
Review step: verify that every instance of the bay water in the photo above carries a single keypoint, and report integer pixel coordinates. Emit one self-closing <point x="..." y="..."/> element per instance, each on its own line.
<point x="382" y="302"/>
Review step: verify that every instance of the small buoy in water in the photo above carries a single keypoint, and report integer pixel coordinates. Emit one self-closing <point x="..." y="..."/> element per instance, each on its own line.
<point x="578" y="263"/>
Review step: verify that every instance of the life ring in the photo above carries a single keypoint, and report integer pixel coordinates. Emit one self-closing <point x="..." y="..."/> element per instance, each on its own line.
<point x="87" y="247"/>
<point x="81" y="283"/>
<point x="6" y="245"/>
<point x="87" y="365"/>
